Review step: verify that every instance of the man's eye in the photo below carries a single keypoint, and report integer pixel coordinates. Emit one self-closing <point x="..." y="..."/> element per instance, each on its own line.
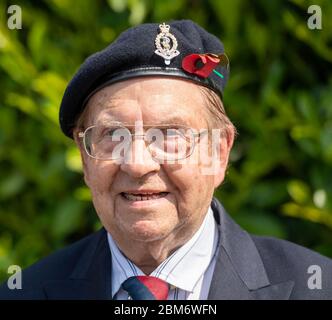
<point x="108" y="133"/>
<point x="111" y="132"/>
<point x="174" y="132"/>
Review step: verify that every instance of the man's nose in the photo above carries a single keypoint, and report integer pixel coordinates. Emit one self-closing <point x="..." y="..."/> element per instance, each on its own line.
<point x="138" y="160"/>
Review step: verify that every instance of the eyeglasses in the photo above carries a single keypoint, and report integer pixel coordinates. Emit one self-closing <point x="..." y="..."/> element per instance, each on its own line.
<point x="114" y="141"/>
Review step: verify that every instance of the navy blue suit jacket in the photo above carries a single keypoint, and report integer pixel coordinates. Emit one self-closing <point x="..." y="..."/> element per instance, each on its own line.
<point x="247" y="267"/>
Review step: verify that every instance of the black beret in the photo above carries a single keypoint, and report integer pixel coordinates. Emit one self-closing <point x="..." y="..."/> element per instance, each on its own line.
<point x="147" y="50"/>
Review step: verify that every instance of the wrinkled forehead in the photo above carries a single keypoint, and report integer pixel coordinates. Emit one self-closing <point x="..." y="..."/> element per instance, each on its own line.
<point x="150" y="100"/>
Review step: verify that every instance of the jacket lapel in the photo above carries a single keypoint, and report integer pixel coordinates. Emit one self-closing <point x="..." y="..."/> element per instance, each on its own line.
<point x="239" y="272"/>
<point x="91" y="277"/>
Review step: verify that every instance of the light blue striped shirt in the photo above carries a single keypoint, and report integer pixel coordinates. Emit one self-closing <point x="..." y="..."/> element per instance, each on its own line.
<point x="188" y="270"/>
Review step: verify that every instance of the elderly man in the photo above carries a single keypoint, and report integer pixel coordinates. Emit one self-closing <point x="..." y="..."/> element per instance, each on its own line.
<point x="147" y="116"/>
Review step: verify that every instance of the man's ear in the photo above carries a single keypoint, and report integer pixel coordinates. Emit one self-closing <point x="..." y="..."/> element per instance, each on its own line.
<point x="221" y="162"/>
<point x="80" y="146"/>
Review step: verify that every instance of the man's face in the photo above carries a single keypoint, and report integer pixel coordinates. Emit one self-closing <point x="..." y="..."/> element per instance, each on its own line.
<point x="182" y="191"/>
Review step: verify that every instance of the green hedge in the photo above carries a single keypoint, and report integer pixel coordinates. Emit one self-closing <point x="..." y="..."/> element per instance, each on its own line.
<point x="279" y="96"/>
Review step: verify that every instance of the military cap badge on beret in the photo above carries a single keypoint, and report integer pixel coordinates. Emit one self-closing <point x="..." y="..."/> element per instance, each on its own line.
<point x="180" y="49"/>
<point x="166" y="44"/>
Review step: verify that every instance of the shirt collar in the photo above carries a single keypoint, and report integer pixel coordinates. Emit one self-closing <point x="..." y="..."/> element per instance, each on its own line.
<point x="195" y="255"/>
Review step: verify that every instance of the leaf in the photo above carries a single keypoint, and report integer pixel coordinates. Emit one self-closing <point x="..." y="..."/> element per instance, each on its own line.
<point x="260" y="223"/>
<point x="67" y="217"/>
<point x="73" y="159"/>
<point x="11" y="185"/>
<point x="299" y="191"/>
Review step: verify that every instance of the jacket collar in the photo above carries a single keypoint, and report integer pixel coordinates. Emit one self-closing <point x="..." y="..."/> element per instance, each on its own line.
<point x="239" y="272"/>
<point x="91" y="277"/>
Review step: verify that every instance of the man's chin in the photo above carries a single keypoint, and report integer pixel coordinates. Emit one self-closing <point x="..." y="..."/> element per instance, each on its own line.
<point x="148" y="231"/>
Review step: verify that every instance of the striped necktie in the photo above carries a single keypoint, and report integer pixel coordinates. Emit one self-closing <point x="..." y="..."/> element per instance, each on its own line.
<point x="146" y="288"/>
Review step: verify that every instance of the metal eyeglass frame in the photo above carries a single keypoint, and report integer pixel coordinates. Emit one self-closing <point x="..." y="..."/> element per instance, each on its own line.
<point x="196" y="135"/>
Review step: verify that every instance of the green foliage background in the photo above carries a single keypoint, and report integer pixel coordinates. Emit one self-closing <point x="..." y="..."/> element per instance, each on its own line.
<point x="279" y="97"/>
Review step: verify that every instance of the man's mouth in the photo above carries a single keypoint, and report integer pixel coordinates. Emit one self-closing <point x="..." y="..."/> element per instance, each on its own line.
<point x="143" y="196"/>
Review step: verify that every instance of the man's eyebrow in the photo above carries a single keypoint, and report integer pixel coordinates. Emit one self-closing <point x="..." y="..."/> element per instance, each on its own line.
<point x="168" y="121"/>
<point x="110" y="102"/>
<point x="172" y="120"/>
<point x="106" y="121"/>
